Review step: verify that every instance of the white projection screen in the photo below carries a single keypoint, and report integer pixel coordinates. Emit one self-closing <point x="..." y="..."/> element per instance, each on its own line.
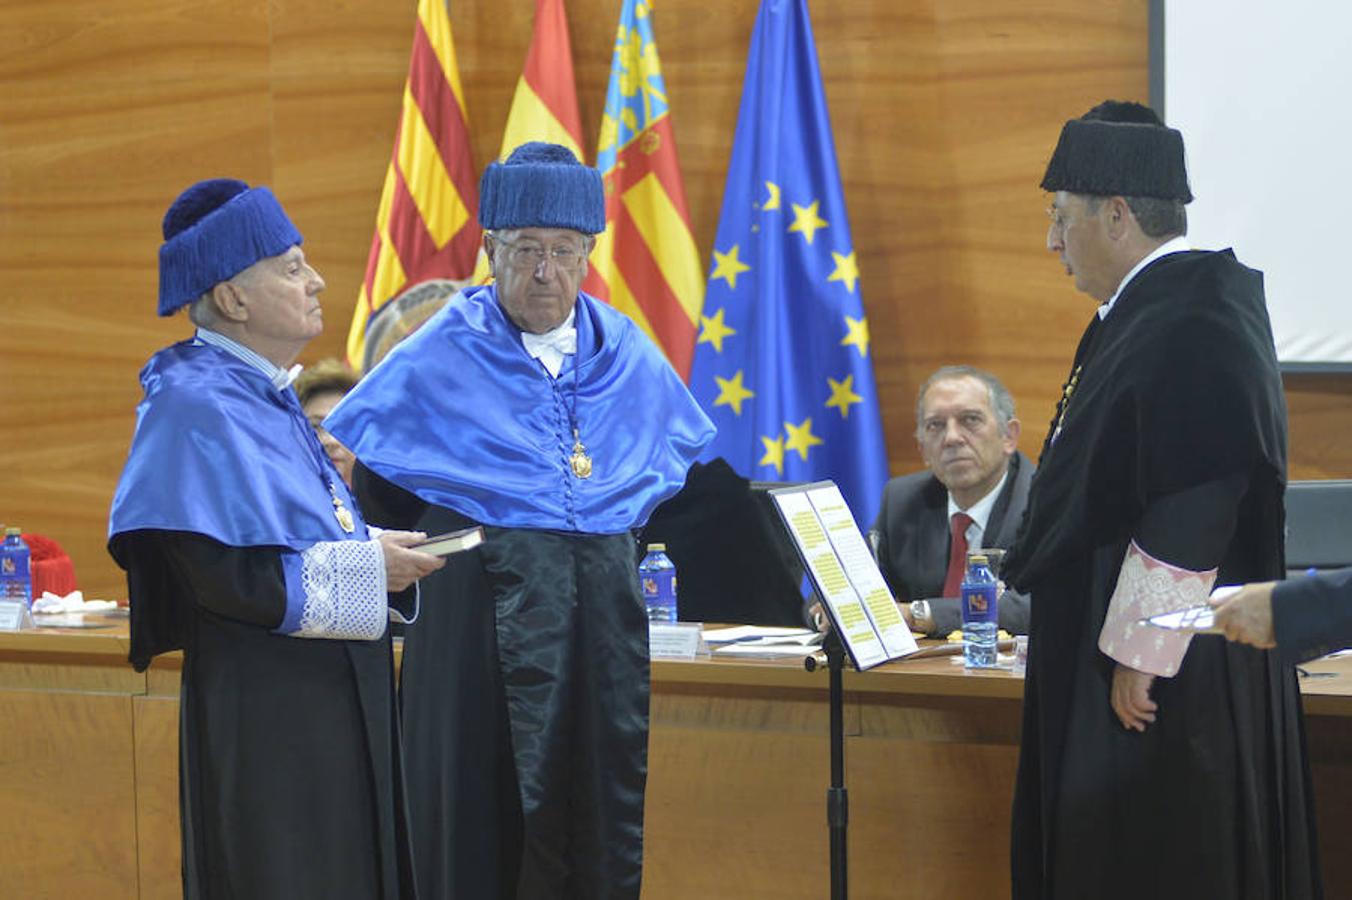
<point x="1262" y="92"/>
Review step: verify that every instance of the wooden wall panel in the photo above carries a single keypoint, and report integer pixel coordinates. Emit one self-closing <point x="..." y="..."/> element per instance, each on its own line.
<point x="66" y="760"/>
<point x="1319" y="410"/>
<point x="158" y="842"/>
<point x="337" y="78"/>
<point x="944" y="114"/>
<point x="108" y="110"/>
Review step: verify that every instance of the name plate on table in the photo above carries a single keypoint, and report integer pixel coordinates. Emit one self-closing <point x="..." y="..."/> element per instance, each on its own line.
<point x="675" y="640"/>
<point x="14" y="615"/>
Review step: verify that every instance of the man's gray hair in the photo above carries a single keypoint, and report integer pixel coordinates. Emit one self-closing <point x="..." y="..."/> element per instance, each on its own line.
<point x="202" y="311"/>
<point x="1158" y="218"/>
<point x="1001" y="400"/>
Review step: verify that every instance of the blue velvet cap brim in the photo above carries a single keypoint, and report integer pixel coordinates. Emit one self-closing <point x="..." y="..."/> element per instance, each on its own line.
<point x="250" y="226"/>
<point x="542" y="195"/>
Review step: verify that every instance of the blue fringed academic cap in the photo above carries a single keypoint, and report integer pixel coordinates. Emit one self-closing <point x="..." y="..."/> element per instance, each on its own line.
<point x="1119" y="149"/>
<point x="214" y="230"/>
<point x="542" y="186"/>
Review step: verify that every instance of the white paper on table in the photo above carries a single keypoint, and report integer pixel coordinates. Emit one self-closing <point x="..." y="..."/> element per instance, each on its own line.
<point x="764" y="651"/>
<point x="748" y="632"/>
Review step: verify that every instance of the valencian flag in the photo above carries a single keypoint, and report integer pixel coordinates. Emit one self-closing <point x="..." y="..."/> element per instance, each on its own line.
<point x="425" y="224"/>
<point x="645" y="264"/>
<point x="782" y="361"/>
<point x="544" y="107"/>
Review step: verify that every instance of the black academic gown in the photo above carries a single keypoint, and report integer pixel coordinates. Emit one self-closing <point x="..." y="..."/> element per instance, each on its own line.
<point x="290" y="777"/>
<point x="524" y="699"/>
<point x="1173" y="435"/>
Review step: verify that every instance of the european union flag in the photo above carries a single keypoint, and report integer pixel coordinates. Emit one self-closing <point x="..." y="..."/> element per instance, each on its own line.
<point x="782" y="361"/>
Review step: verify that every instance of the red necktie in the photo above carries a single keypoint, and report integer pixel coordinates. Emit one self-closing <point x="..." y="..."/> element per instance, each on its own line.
<point x="957" y="554"/>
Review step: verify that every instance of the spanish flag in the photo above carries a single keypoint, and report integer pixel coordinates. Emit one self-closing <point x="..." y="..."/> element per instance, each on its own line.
<point x="645" y="264"/>
<point x="425" y="224"/>
<point x="544" y="107"/>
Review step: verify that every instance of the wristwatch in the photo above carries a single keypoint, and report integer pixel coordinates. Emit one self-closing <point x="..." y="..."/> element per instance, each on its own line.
<point x="920" y="616"/>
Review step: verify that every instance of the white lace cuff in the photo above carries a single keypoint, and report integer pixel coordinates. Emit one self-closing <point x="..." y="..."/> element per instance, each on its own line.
<point x="335" y="590"/>
<point x="1148" y="587"/>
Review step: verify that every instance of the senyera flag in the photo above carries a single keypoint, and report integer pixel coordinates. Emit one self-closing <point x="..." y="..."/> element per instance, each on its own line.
<point x="426" y="224"/>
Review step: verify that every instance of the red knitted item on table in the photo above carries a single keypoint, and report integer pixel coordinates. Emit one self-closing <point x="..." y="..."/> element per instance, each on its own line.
<point x="51" y="568"/>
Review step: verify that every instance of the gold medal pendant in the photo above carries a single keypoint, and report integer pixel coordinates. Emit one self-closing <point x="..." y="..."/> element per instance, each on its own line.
<point x="580" y="461"/>
<point x="340" y="512"/>
<point x="343" y="516"/>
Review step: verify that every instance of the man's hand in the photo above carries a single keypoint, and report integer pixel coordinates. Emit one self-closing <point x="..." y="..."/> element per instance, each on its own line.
<point x="1246" y="615"/>
<point x="404" y="566"/>
<point x="1131" y="697"/>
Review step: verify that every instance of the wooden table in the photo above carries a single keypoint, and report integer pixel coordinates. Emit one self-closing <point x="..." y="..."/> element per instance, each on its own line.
<point x="738" y="769"/>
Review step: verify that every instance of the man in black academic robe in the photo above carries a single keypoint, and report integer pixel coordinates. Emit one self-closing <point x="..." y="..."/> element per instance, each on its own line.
<point x="244" y="549"/>
<point x="1149" y="769"/>
<point x="545" y="415"/>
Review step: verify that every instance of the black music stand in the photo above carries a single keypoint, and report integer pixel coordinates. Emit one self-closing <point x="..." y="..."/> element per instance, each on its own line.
<point x="846" y="580"/>
<point x="837" y="797"/>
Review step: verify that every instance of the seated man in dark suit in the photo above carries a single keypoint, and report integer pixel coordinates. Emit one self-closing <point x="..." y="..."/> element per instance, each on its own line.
<point x="973" y="495"/>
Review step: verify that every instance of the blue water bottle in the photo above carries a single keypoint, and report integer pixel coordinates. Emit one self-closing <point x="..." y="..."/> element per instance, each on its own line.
<point x="657" y="574"/>
<point x="15" y="581"/>
<point x="980" y="613"/>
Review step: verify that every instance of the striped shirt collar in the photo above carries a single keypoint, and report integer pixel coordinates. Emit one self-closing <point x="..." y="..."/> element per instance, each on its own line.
<point x="281" y="378"/>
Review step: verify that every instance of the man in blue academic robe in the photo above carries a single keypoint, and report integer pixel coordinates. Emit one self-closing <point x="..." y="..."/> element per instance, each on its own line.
<point x="550" y="418"/>
<point x="244" y="549"/>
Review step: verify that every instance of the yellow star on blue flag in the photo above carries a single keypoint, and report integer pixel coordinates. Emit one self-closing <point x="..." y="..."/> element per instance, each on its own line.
<point x="713" y="330"/>
<point x="784" y="223"/>
<point x="731" y="392"/>
<point x="774" y="453"/>
<point x="842" y="395"/>
<point x="727" y="266"/>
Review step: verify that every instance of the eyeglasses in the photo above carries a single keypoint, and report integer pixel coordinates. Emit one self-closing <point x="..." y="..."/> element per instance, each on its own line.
<point x="531" y="256"/>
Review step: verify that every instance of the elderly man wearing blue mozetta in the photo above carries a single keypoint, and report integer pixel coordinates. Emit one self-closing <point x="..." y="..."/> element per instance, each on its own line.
<point x="245" y="550"/>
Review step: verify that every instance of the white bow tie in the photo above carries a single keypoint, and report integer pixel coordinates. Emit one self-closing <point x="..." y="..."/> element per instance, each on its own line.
<point x="551" y="347"/>
<point x="286" y="377"/>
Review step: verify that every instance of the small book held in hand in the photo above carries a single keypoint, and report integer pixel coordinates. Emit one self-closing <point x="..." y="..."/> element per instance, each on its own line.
<point x="451" y="542"/>
<point x="1197" y="619"/>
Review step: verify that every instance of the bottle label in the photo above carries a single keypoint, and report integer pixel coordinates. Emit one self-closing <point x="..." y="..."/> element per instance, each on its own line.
<point x="14" y="580"/>
<point x="979" y="603"/>
<point x="659" y="587"/>
<point x="657" y="578"/>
